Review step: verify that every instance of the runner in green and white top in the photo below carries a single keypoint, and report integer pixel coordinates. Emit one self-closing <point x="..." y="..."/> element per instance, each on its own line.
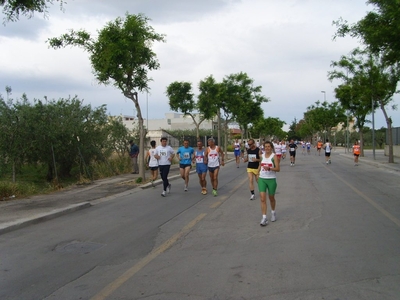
<point x="267" y="181"/>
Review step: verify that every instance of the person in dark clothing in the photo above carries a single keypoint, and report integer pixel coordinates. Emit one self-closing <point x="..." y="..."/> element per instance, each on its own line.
<point x="134" y="153"/>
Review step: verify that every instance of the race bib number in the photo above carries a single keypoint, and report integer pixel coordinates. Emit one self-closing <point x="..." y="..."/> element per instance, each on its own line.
<point x="199" y="159"/>
<point x="186" y="155"/>
<point x="252" y="157"/>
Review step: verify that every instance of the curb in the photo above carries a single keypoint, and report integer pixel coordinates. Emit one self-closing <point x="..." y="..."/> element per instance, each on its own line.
<point x="11" y="226"/>
<point x="374" y="163"/>
<point x="41" y="217"/>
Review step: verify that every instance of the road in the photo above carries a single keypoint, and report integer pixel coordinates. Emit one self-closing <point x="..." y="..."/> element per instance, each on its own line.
<point x="337" y="236"/>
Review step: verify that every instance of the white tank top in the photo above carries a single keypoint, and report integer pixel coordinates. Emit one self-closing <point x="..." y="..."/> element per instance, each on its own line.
<point x="265" y="163"/>
<point x="213" y="157"/>
<point x="153" y="161"/>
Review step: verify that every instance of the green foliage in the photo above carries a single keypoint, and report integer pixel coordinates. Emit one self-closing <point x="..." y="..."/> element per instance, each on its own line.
<point x="181" y="99"/>
<point x="268" y="127"/>
<point x="321" y="117"/>
<point x="139" y="180"/>
<point x="121" y="55"/>
<point x="229" y="148"/>
<point x="59" y="134"/>
<point x="378" y="30"/>
<point x="12" y="9"/>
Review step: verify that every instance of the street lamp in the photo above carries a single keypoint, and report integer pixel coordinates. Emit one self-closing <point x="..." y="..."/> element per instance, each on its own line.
<point x="324" y="101"/>
<point x="324" y="95"/>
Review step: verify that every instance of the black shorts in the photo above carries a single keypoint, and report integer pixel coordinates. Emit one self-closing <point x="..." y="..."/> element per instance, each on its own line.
<point x="327" y="154"/>
<point x="292" y="153"/>
<point x="153" y="168"/>
<point x="357" y="155"/>
<point x="184" y="166"/>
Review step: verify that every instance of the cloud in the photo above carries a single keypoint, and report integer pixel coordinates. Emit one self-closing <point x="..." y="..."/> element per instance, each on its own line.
<point x="285" y="46"/>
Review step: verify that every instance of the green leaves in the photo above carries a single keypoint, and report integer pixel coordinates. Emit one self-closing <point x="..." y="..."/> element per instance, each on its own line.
<point x="181" y="97"/>
<point x="63" y="131"/>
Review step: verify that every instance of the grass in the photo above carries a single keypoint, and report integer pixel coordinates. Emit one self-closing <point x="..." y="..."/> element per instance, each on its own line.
<point x="31" y="180"/>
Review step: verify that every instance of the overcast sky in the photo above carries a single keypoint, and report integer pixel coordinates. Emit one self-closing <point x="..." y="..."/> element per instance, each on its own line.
<point x="286" y="46"/>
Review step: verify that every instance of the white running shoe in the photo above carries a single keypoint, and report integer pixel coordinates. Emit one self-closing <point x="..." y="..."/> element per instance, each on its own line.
<point x="273" y="216"/>
<point x="253" y="197"/>
<point x="264" y="221"/>
<point x="169" y="188"/>
<point x="186" y="189"/>
<point x="163" y="193"/>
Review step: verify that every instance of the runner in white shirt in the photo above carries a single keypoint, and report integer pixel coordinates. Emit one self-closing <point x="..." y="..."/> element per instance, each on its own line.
<point x="165" y="154"/>
<point x="278" y="150"/>
<point x="152" y="162"/>
<point x="283" y="149"/>
<point x="213" y="161"/>
<point x="267" y="182"/>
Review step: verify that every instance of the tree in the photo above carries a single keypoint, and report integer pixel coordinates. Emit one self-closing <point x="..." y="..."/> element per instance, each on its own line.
<point x="12" y="9"/>
<point x="324" y="116"/>
<point x="375" y="83"/>
<point x="12" y="132"/>
<point x="242" y="99"/>
<point x="352" y="93"/>
<point x="181" y="99"/>
<point x="379" y="30"/>
<point x="121" y="55"/>
<point x="269" y="127"/>
<point x="208" y="103"/>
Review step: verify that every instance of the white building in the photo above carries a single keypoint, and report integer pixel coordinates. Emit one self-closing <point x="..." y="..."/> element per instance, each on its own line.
<point x="172" y="121"/>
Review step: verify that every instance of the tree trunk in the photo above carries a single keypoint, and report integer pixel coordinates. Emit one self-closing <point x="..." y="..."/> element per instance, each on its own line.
<point x="361" y="142"/>
<point x="142" y="135"/>
<point x="389" y="126"/>
<point x="226" y="132"/>
<point x="219" y="128"/>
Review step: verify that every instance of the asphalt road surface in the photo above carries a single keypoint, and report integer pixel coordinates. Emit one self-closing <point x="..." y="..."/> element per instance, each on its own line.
<point x="337" y="236"/>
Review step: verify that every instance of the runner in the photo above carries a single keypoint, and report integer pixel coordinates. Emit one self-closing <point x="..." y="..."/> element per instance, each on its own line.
<point x="327" y="147"/>
<point x="319" y="146"/>
<point x="278" y="150"/>
<point x="165" y="154"/>
<point x="253" y="158"/>
<point x="356" y="152"/>
<point x="212" y="159"/>
<point x="185" y="156"/>
<point x="308" y="146"/>
<point x="267" y="182"/>
<point x="201" y="167"/>
<point x="283" y="147"/>
<point x="152" y="162"/>
<point x="303" y="147"/>
<point x="292" y="152"/>
<point x="236" y="151"/>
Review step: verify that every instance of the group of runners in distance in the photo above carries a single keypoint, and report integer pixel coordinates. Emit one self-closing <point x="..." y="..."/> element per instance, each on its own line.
<point x="263" y="162"/>
<point x="206" y="160"/>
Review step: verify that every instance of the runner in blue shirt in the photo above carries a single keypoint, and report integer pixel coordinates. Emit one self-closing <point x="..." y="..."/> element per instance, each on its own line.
<point x="201" y="167"/>
<point x="185" y="155"/>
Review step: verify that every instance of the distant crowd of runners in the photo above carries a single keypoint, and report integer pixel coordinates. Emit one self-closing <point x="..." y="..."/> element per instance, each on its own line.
<point x="263" y="162"/>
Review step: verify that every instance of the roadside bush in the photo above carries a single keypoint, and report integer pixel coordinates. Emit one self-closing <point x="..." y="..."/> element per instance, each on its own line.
<point x="9" y="190"/>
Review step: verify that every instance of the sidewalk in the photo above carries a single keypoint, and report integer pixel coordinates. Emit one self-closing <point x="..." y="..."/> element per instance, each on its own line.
<point x="18" y="213"/>
<point x="379" y="161"/>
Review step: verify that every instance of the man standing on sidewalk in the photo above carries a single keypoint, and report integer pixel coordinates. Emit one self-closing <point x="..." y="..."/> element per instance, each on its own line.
<point x="165" y="154"/>
<point x="133" y="153"/>
<point x="185" y="156"/>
